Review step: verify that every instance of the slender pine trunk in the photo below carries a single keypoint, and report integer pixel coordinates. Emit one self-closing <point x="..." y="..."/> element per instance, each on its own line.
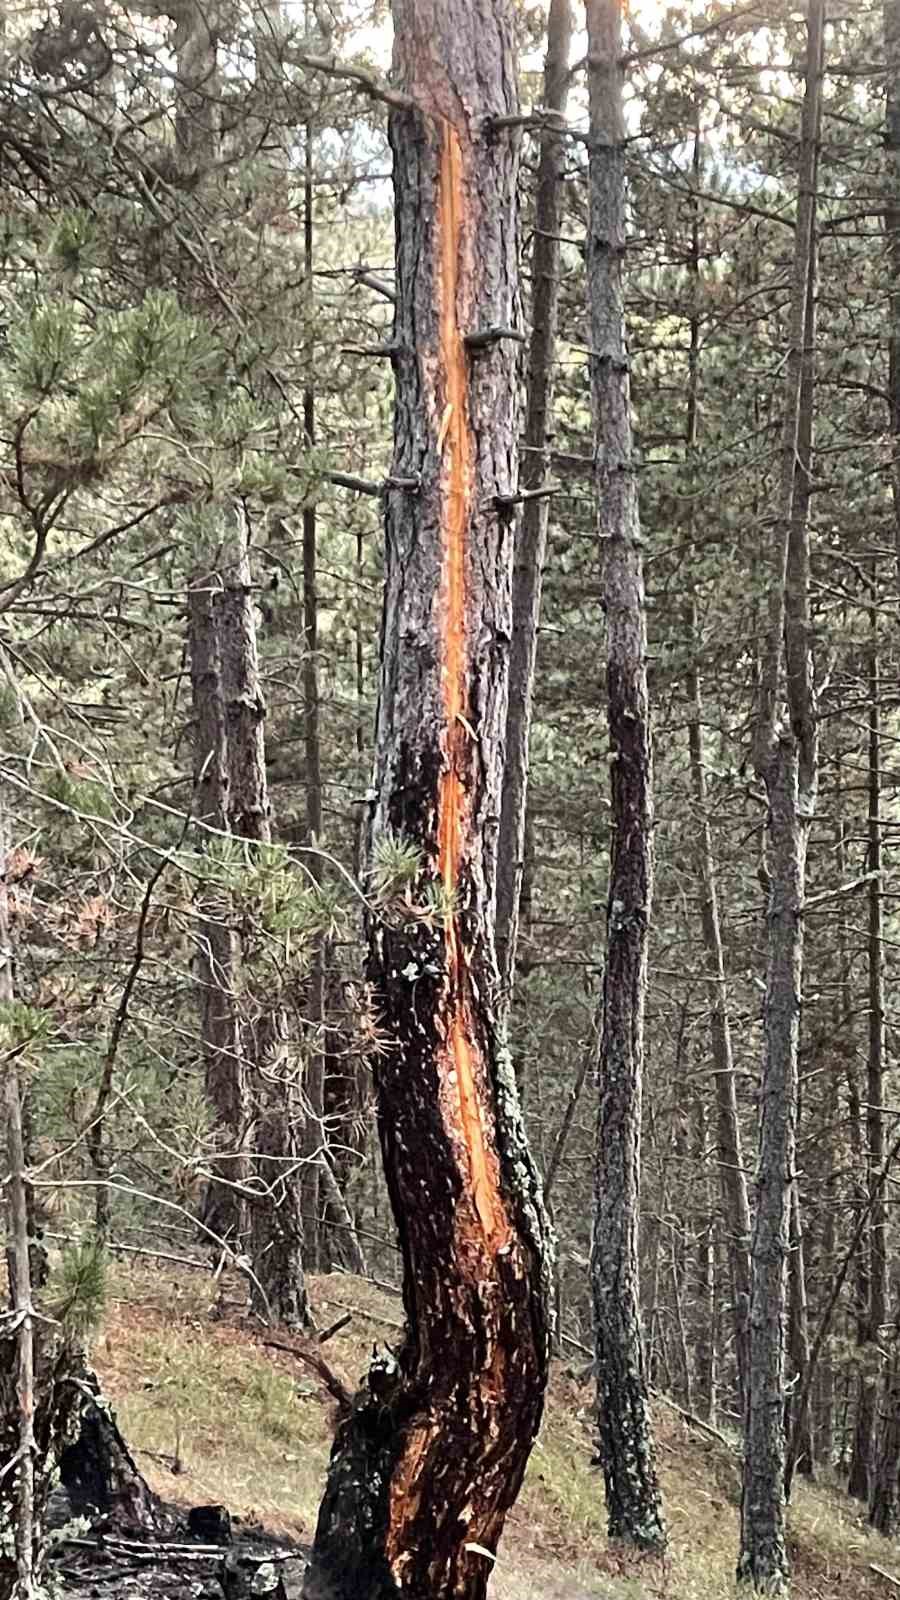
<point x="531" y="542"/>
<point x="633" y="1500"/>
<point x="786" y="761"/>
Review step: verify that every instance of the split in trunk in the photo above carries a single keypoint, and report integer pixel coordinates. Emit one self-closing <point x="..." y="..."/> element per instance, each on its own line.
<point x="431" y="1457"/>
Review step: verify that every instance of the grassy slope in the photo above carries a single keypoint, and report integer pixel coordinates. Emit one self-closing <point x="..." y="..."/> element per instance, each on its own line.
<point x="252" y="1429"/>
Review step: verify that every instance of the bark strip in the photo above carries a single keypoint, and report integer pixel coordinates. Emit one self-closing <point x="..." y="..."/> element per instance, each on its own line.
<point x="429" y="1460"/>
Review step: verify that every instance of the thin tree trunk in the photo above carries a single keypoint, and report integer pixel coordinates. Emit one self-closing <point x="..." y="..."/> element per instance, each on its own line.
<point x="858" y="1470"/>
<point x="861" y="1472"/>
<point x="842" y="1046"/>
<point x="36" y="1402"/>
<point x="884" y="1507"/>
<point x="633" y="1500"/>
<point x="426" y="1466"/>
<point x="891" y="22"/>
<point x="705" y="1305"/>
<point x="20" y="1498"/>
<point x="217" y="954"/>
<point x="531" y="544"/>
<point x="314" y="1088"/>
<point x="785" y="757"/>
<point x="568" y="1116"/>
<point x="221" y="1210"/>
<point x="798" y="1426"/>
<point x="729" y="1151"/>
<point x="273" y="1087"/>
<point x="798" y="1347"/>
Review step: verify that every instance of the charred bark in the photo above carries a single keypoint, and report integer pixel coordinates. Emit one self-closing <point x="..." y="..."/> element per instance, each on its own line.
<point x="97" y="1469"/>
<point x="634" y="1505"/>
<point x="430" y="1459"/>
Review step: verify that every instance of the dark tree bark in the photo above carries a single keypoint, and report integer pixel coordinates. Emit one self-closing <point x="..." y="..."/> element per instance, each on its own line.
<point x="634" y="1505"/>
<point x="427" y="1464"/>
<point x="800" y="1436"/>
<point x="217" y="954"/>
<point x="786" y="761"/>
<point x="729" y="1152"/>
<point x="884" y="1506"/>
<point x="891" y="21"/>
<point x="251" y="1074"/>
<point x="531" y="543"/>
<point x="221" y="1211"/>
<point x="704" y="1308"/>
<point x="37" y="1400"/>
<point x="272" y="1070"/>
<point x="97" y="1469"/>
<point x="315" y="1074"/>
<point x="877" y="1306"/>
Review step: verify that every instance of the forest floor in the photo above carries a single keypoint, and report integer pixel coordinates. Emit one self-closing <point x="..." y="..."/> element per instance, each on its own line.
<point x="213" y="1416"/>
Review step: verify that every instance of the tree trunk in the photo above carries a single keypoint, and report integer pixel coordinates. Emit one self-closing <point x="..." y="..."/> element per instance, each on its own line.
<point x="863" y="1416"/>
<point x="97" y="1469"/>
<point x="36" y="1400"/>
<point x="426" y="1466"/>
<point x="884" y="1507"/>
<point x="891" y="20"/>
<point x="785" y="757"/>
<point x="311" y="1178"/>
<point x="273" y="1089"/>
<point x="705" y="1306"/>
<point x="217" y="957"/>
<point x="633" y="1501"/>
<point x="729" y="1152"/>
<point x="531" y="544"/>
<point x="841" y="1046"/>
<point x="874" y="1314"/>
<point x="804" y="1460"/>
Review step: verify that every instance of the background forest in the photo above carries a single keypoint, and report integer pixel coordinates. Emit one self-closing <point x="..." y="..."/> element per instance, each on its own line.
<point x="196" y="407"/>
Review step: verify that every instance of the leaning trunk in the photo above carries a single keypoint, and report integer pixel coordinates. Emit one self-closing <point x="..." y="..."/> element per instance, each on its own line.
<point x="633" y="1501"/>
<point x="427" y="1464"/>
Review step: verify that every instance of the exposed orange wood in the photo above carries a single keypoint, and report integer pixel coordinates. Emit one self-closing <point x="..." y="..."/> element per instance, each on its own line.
<point x="465" y="1068"/>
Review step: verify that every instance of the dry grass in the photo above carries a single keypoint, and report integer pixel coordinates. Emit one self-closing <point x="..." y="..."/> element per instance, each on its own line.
<point x="252" y="1429"/>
